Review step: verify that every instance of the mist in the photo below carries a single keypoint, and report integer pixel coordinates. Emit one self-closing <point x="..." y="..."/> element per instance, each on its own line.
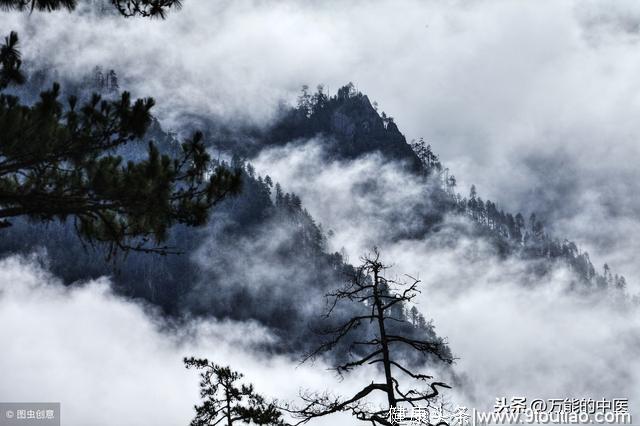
<point x="109" y="360"/>
<point x="514" y="332"/>
<point x="106" y="357"/>
<point x="535" y="103"/>
<point x="499" y="89"/>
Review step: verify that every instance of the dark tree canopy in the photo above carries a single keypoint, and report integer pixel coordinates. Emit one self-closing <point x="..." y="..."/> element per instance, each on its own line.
<point x="146" y="8"/>
<point x="58" y="161"/>
<point x="127" y="8"/>
<point x="428" y="159"/>
<point x="227" y="401"/>
<point x="10" y="62"/>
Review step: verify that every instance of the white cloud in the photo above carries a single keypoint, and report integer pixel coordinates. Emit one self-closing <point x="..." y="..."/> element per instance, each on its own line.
<point x="500" y="88"/>
<point x="491" y="84"/>
<point x="109" y="360"/>
<point x="516" y="334"/>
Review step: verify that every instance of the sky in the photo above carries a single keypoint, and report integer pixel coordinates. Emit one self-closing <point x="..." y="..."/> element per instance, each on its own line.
<point x="534" y="102"/>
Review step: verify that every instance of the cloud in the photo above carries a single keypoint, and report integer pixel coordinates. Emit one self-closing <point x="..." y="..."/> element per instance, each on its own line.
<point x="363" y="203"/>
<point x="491" y="85"/>
<point x="535" y="103"/>
<point x="110" y="360"/>
<point x="515" y="333"/>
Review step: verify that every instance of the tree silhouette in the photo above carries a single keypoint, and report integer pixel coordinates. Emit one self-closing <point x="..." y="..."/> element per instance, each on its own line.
<point x="112" y="82"/>
<point x="10" y="62"/>
<point x="379" y="297"/>
<point x="226" y="400"/>
<point x="146" y="8"/>
<point x="60" y="162"/>
<point x="429" y="160"/>
<point x="127" y="8"/>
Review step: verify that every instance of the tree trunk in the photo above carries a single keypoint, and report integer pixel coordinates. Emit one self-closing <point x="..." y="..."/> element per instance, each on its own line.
<point x="226" y="391"/>
<point x="383" y="340"/>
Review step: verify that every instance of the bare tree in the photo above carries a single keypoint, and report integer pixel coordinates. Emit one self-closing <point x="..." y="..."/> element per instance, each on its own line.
<point x="381" y="299"/>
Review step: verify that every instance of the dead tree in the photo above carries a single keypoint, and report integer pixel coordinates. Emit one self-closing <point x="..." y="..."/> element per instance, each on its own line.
<point x="382" y="300"/>
<point x="226" y="401"/>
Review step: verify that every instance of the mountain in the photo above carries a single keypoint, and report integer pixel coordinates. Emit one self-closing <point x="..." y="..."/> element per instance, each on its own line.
<point x="351" y="127"/>
<point x="350" y="124"/>
<point x="263" y="257"/>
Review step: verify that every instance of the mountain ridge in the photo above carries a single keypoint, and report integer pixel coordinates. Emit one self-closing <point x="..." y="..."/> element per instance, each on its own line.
<point x="239" y="247"/>
<point x="352" y="128"/>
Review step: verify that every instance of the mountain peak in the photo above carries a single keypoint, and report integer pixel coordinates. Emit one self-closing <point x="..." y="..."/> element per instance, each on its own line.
<point x="349" y="121"/>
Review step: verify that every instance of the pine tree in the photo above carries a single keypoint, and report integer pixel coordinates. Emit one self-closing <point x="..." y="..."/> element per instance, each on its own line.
<point x="112" y="82"/>
<point x="58" y="162"/>
<point x="519" y="226"/>
<point x="127" y="8"/>
<point x="319" y="99"/>
<point x="620" y="282"/>
<point x="414" y="315"/>
<point x="472" y="204"/>
<point x="451" y="184"/>
<point x="279" y="195"/>
<point x="251" y="171"/>
<point x="99" y="80"/>
<point x="608" y="277"/>
<point x="10" y="62"/>
<point x="227" y="400"/>
<point x="346" y="92"/>
<point x="304" y="101"/>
